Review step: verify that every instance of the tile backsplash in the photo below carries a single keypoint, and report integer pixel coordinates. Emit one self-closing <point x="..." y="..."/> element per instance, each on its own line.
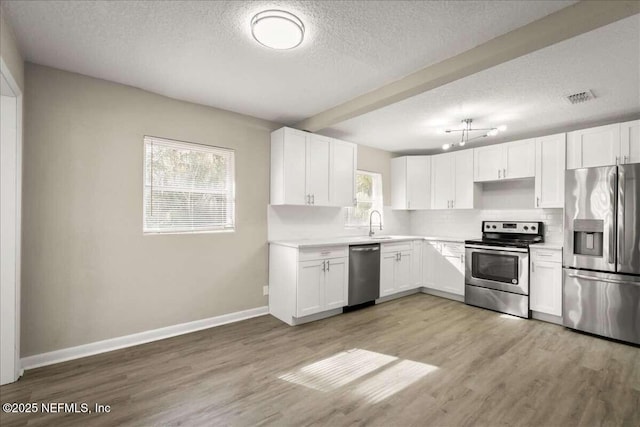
<point x="468" y="223"/>
<point x="312" y="222"/>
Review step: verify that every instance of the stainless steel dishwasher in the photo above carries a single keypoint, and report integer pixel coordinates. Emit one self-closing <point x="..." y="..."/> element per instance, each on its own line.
<point x="364" y="273"/>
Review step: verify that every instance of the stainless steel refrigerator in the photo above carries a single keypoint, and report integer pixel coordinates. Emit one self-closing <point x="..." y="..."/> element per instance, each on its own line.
<point x="601" y="291"/>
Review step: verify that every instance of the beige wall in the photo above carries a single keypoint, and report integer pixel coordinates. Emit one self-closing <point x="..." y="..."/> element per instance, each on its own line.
<point x="88" y="272"/>
<point x="9" y="50"/>
<point x="375" y="160"/>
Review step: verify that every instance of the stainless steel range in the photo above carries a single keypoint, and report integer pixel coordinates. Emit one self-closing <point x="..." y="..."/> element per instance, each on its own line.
<point x="497" y="266"/>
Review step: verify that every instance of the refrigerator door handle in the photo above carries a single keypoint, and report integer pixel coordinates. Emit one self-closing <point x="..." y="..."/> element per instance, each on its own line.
<point x="598" y="279"/>
<point x="612" y="186"/>
<point x="621" y="196"/>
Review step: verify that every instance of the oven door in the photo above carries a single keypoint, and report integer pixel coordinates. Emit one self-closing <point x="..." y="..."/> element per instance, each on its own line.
<point x="498" y="268"/>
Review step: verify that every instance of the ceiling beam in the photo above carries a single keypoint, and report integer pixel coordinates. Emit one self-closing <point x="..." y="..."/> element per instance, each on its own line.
<point x="564" y="24"/>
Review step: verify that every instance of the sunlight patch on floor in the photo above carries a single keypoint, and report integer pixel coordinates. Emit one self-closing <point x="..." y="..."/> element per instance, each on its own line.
<point x="508" y="316"/>
<point x="392" y="380"/>
<point x="338" y="370"/>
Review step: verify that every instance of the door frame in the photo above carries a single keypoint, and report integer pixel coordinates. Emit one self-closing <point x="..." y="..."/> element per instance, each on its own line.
<point x="12" y="290"/>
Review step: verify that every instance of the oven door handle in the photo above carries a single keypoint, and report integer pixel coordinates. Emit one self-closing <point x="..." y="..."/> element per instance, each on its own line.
<point x="498" y="248"/>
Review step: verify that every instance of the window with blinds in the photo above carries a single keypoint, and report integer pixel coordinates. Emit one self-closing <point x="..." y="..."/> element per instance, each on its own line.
<point x="187" y="187"/>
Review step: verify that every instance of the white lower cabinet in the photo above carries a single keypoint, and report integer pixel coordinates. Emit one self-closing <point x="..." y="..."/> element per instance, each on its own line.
<point x="443" y="266"/>
<point x="545" y="293"/>
<point x="396" y="265"/>
<point x="307" y="281"/>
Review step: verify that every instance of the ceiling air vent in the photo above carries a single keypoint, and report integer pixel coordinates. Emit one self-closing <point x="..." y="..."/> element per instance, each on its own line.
<point x="580" y="97"/>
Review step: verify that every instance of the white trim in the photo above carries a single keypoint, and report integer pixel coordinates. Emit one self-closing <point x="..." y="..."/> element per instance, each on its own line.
<point x="442" y="294"/>
<point x="17" y="91"/>
<point x="104" y="346"/>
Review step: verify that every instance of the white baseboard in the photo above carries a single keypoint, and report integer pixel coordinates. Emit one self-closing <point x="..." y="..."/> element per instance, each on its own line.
<point x="442" y="294"/>
<point x="104" y="346"/>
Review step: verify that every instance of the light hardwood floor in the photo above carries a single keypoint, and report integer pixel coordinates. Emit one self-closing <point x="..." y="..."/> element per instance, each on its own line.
<point x="474" y="367"/>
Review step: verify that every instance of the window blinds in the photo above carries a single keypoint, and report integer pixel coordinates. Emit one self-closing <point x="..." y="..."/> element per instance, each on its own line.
<point x="187" y="187"/>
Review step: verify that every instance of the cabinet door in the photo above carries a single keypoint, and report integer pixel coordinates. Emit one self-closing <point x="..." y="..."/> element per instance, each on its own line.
<point x="550" y="168"/>
<point x="294" y="168"/>
<point x="546" y="287"/>
<point x="630" y="142"/>
<point x="403" y="276"/>
<point x="599" y="146"/>
<point x="418" y="182"/>
<point x="442" y="186"/>
<point x="462" y="175"/>
<point x="399" y="183"/>
<point x="519" y="157"/>
<point x="387" y="273"/>
<point x="430" y="255"/>
<point x="450" y="275"/>
<point x="343" y="173"/>
<point x="488" y="163"/>
<point x="335" y="287"/>
<point x="310" y="287"/>
<point x="318" y="169"/>
<point x="416" y="268"/>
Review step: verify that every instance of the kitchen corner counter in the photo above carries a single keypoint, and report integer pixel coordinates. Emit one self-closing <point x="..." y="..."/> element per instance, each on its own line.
<point x="337" y="241"/>
<point x="361" y="240"/>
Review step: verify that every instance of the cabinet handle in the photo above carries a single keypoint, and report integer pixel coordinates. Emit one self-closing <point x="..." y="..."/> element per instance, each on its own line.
<point x="625" y="160"/>
<point x="324" y="265"/>
<point x="453" y="203"/>
<point x="504" y="173"/>
<point x="533" y="267"/>
<point x="461" y="259"/>
<point x="399" y="256"/>
<point x="313" y="199"/>
<point x="308" y="199"/>
<point x="355" y="202"/>
<point x="499" y="174"/>
<point x="328" y="265"/>
<point x="537" y="202"/>
<point x="617" y="160"/>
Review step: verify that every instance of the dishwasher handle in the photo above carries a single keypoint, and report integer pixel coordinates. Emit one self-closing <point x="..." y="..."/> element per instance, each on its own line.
<point x="365" y="249"/>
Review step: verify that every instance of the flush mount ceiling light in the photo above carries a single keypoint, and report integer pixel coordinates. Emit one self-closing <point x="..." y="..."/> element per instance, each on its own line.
<point x="277" y="29"/>
<point x="466" y="128"/>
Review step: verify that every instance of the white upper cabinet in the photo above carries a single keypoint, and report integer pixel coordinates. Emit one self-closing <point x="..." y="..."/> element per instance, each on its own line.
<point x="511" y="160"/>
<point x="630" y="142"/>
<point x="411" y="181"/>
<point x="550" y="168"/>
<point x="318" y="169"/>
<point x="488" y="163"/>
<point x="309" y="169"/>
<point x="593" y="147"/>
<point x="465" y="191"/>
<point x="519" y="158"/>
<point x="343" y="173"/>
<point x="452" y="185"/>
<point x="442" y="185"/>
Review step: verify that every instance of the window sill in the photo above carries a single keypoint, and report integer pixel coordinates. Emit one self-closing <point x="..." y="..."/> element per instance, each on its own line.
<point x="164" y="233"/>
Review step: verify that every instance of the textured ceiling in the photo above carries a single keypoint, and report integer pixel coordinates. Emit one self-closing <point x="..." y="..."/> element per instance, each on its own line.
<point x="203" y="51"/>
<point x="526" y="94"/>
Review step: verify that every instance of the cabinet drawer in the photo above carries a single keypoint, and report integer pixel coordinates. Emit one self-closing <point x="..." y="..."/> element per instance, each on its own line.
<point x="549" y="255"/>
<point x="451" y="248"/>
<point x="396" y="247"/>
<point x="323" y="253"/>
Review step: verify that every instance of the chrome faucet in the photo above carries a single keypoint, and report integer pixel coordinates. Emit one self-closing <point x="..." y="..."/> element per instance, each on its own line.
<point x="371" y="233"/>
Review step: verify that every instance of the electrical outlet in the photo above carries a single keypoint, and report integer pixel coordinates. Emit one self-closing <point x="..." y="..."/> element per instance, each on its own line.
<point x="265" y="290"/>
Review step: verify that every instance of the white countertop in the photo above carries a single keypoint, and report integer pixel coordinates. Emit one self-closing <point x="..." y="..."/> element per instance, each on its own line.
<point x="349" y="240"/>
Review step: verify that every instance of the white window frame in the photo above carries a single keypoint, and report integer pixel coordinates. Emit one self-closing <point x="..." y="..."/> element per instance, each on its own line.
<point x="230" y="191"/>
<point x="378" y="202"/>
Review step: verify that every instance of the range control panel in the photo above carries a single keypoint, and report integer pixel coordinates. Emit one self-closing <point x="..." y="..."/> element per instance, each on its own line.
<point x="519" y="227"/>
